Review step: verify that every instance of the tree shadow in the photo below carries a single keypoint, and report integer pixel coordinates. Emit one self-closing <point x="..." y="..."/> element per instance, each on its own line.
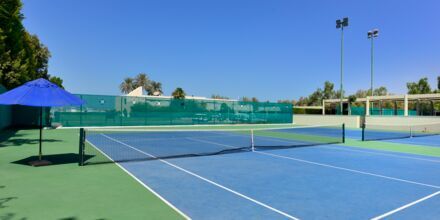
<point x="19" y="142"/>
<point x="8" y="216"/>
<point x="6" y="134"/>
<point x="55" y="159"/>
<point x="5" y="200"/>
<point x="9" y="138"/>
<point x="75" y="218"/>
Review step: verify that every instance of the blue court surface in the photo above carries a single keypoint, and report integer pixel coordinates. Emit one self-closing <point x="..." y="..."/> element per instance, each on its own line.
<point x="328" y="181"/>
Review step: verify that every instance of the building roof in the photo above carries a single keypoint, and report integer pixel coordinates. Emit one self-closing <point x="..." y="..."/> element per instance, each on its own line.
<point x="435" y="96"/>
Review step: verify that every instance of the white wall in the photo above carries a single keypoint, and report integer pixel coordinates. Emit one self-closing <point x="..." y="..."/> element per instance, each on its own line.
<point x="349" y="120"/>
<point x="401" y="120"/>
<point x="355" y="121"/>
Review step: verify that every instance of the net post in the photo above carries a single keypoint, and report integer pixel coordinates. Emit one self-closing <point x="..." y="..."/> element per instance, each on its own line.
<point x="410" y="132"/>
<point x="343" y="132"/>
<point x="252" y="140"/>
<point x="363" y="131"/>
<point x="81" y="147"/>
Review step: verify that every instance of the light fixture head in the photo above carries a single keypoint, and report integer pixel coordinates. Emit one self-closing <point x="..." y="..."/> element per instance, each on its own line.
<point x="338" y="23"/>
<point x="376" y="32"/>
<point x="373" y="33"/>
<point x="345" y="22"/>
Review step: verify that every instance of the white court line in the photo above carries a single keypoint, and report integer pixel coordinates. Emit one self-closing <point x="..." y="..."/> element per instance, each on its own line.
<point x="207" y="180"/>
<point x="142" y="183"/>
<point x="329" y="166"/>
<point x="405" y="206"/>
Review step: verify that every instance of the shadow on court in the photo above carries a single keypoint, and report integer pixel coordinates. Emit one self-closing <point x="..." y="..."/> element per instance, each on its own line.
<point x="55" y="159"/>
<point x="10" y="138"/>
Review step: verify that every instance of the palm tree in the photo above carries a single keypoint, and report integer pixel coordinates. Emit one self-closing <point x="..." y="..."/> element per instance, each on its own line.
<point x="178" y="93"/>
<point x="127" y="85"/>
<point x="142" y="80"/>
<point x="155" y="88"/>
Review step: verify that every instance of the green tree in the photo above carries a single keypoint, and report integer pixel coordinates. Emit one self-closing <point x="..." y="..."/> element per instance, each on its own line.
<point x="286" y="101"/>
<point x="178" y="93"/>
<point x="381" y="91"/>
<point x="329" y="92"/>
<point x="142" y="80"/>
<point x="254" y="99"/>
<point x="218" y="97"/>
<point x="351" y="100"/>
<point x="22" y="56"/>
<point x="362" y="93"/>
<point x="57" y="80"/>
<point x="438" y="84"/>
<point x="316" y="98"/>
<point x="318" y="95"/>
<point x="420" y="87"/>
<point x="127" y="86"/>
<point x="337" y="94"/>
<point x="155" y="88"/>
<point x="302" y="101"/>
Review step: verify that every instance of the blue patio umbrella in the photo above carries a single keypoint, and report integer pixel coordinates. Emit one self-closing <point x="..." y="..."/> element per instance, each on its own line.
<point x="39" y="93"/>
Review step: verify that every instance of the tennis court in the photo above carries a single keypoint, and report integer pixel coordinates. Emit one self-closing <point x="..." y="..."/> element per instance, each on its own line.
<point x="296" y="173"/>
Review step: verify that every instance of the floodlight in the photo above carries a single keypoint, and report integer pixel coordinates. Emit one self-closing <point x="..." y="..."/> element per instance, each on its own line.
<point x="345" y="22"/>
<point x="373" y="33"/>
<point x="338" y="23"/>
<point x="376" y="32"/>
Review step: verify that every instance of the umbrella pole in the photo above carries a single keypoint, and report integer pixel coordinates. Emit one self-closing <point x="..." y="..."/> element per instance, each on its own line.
<point x="41" y="132"/>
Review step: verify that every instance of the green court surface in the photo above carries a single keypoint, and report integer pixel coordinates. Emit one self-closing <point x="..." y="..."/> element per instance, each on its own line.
<point x="395" y="147"/>
<point x="66" y="190"/>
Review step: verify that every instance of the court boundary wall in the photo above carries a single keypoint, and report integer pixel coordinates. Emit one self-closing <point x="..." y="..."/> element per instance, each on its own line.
<point x="402" y="120"/>
<point x="354" y="121"/>
<point x="351" y="121"/>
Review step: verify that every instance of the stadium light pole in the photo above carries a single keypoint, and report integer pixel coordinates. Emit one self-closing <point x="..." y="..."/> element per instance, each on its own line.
<point x="371" y="35"/>
<point x="340" y="24"/>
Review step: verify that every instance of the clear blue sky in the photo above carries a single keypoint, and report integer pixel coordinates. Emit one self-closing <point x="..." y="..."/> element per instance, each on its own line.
<point x="278" y="49"/>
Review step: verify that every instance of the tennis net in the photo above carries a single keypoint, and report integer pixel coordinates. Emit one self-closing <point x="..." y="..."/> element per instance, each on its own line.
<point x="123" y="145"/>
<point x="386" y="131"/>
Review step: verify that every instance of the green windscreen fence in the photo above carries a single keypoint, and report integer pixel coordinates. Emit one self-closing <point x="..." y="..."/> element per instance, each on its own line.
<point x="5" y="112"/>
<point x="384" y="111"/>
<point x="100" y="110"/>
